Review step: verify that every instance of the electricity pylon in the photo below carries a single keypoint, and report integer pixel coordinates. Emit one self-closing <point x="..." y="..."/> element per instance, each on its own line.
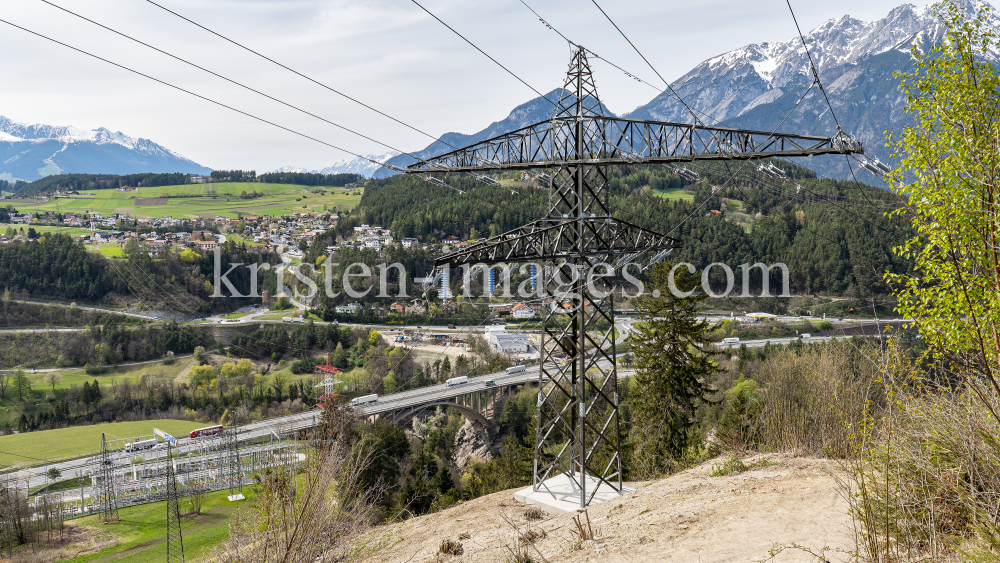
<point x="578" y="433"/>
<point x="109" y="492"/>
<point x="233" y="469"/>
<point x="175" y="542"/>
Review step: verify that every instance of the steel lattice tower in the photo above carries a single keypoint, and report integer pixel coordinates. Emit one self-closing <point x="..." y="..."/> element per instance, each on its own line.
<point x="578" y="432"/>
<point x="234" y="472"/>
<point x="109" y="493"/>
<point x="175" y="542"/>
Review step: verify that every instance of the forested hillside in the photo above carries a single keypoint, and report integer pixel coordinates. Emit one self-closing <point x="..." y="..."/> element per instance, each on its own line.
<point x="833" y="235"/>
<point x="56" y="266"/>
<point x="78" y="182"/>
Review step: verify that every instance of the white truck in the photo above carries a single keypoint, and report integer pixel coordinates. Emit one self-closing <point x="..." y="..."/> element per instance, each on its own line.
<point x="516" y="369"/>
<point x="364" y="400"/>
<point x="731" y="340"/>
<point x="457" y="381"/>
<point x="141" y="445"/>
<point x="286" y="319"/>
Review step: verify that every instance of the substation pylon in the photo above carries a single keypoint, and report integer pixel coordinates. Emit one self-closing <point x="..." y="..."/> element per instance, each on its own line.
<point x="578" y="437"/>
<point x="175" y="540"/>
<point x="233" y="466"/>
<point x="109" y="487"/>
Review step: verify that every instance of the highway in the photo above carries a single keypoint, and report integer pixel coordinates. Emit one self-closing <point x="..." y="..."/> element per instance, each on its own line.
<point x="36" y="476"/>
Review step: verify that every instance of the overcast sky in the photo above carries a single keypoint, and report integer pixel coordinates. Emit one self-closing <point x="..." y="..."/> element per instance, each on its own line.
<point x="388" y="53"/>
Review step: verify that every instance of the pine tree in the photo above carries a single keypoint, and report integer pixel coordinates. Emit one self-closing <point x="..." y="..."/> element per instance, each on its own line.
<point x="674" y="371"/>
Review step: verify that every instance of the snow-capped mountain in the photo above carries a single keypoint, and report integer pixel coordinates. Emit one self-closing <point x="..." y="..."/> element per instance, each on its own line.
<point x="29" y="152"/>
<point x="356" y="165"/>
<point x="756" y="86"/>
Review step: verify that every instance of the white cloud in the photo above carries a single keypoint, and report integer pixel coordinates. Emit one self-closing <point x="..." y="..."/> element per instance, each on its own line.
<point x="388" y="53"/>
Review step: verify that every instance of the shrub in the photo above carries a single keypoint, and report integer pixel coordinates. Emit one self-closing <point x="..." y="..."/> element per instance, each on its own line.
<point x="813" y="399"/>
<point x="450" y="547"/>
<point x="93" y="369"/>
<point x="738" y="428"/>
<point x="731" y="466"/>
<point x="305" y="365"/>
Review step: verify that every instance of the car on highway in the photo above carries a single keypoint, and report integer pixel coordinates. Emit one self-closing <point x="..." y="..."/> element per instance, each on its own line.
<point x="489" y="383"/>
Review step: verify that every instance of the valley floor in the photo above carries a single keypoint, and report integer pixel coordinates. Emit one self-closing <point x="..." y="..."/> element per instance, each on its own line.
<point x="688" y="517"/>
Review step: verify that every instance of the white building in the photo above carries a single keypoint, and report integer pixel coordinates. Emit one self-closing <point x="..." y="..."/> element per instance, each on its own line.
<point x="505" y="342"/>
<point x="522" y="311"/>
<point x="350" y="308"/>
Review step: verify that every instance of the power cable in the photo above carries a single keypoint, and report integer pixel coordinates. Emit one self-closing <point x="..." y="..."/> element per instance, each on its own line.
<point x="596" y="56"/>
<point x="310" y="114"/>
<point x="165" y="83"/>
<point x="812" y="64"/>
<point x="483" y="52"/>
<point x="207" y="99"/>
<point x="671" y="88"/>
<point x="318" y="83"/>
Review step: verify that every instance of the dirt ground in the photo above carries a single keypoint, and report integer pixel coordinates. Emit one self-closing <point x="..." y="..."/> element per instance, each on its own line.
<point x="688" y="517"/>
<point x="431" y="352"/>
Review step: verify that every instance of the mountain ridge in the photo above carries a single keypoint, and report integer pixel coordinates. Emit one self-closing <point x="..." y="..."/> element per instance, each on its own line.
<point x="32" y="151"/>
<point x="758" y="85"/>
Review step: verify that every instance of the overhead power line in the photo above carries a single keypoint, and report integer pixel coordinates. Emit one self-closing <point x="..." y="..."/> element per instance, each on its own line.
<point x="510" y="72"/>
<point x="812" y="64"/>
<point x="221" y="104"/>
<point x="669" y="87"/>
<point x="314" y="81"/>
<point x="230" y="80"/>
<point x="175" y="87"/>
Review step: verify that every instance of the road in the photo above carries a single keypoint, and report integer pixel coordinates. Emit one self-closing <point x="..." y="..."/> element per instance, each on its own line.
<point x="36" y="476"/>
<point x="97" y="309"/>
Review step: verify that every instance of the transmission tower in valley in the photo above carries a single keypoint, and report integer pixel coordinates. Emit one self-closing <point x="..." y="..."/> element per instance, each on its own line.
<point x="578" y="437"/>
<point x="109" y="493"/>
<point x="233" y="466"/>
<point x="175" y="542"/>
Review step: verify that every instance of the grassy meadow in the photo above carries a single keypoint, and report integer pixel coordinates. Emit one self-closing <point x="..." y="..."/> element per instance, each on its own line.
<point x="65" y="443"/>
<point x="139" y="536"/>
<point x="678" y="194"/>
<point x="192" y="200"/>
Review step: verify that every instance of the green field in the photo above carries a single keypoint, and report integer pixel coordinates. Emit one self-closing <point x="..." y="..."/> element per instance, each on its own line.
<point x="76" y="376"/>
<point x="139" y="535"/>
<point x="239" y="240"/>
<point x="678" y="194"/>
<point x="71" y="231"/>
<point x="35" y="447"/>
<point x="280" y="199"/>
<point x="233" y="315"/>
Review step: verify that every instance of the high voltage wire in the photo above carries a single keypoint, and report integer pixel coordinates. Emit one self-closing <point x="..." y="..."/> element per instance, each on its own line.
<point x="355" y="100"/>
<point x="812" y="64"/>
<point x="596" y="56"/>
<point x="216" y="102"/>
<point x="207" y="99"/>
<point x="671" y="88"/>
<point x="484" y="53"/>
<point x="314" y="81"/>
<point x="230" y="80"/>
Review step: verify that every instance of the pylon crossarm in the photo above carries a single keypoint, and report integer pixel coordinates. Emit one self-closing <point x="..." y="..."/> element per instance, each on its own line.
<point x="549" y="239"/>
<point x="613" y="140"/>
